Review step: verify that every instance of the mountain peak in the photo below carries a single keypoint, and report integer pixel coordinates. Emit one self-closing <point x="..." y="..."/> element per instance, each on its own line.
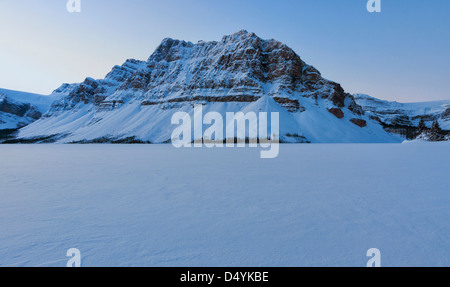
<point x="240" y="36"/>
<point x="243" y="34"/>
<point x="164" y="49"/>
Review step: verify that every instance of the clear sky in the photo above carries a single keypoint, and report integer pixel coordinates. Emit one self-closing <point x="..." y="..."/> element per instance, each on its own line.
<point x="399" y="54"/>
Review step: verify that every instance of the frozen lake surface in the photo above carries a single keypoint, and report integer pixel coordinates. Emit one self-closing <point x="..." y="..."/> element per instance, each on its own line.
<point x="154" y="205"/>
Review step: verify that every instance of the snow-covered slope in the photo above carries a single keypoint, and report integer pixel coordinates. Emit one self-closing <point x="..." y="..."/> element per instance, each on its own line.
<point x="407" y="114"/>
<point x="242" y="72"/>
<point x="18" y="109"/>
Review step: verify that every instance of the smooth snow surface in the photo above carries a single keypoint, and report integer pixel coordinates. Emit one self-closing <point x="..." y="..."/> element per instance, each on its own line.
<point x="154" y="205"/>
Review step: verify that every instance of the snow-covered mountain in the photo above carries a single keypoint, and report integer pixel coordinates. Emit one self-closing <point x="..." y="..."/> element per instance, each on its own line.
<point x="18" y="109"/>
<point x="404" y="117"/>
<point x="242" y="72"/>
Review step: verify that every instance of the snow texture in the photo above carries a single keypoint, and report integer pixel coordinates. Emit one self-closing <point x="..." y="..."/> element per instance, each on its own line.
<point x="154" y="205"/>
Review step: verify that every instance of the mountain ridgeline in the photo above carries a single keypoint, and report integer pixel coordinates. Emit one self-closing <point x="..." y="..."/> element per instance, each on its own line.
<point x="134" y="103"/>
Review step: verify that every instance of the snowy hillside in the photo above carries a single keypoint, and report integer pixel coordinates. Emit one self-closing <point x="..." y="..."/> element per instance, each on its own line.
<point x="18" y="109"/>
<point x="408" y="114"/>
<point x="242" y="72"/>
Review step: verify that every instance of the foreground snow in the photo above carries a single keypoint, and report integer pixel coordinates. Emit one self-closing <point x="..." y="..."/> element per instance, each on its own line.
<point x="315" y="205"/>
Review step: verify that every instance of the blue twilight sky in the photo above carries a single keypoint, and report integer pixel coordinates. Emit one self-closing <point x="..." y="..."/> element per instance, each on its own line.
<point x="399" y="54"/>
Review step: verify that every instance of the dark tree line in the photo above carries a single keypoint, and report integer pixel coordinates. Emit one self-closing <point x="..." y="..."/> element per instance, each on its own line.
<point x="434" y="133"/>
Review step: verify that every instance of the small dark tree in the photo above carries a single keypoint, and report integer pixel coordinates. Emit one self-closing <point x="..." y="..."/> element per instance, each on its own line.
<point x="436" y="127"/>
<point x="421" y="128"/>
<point x="436" y="133"/>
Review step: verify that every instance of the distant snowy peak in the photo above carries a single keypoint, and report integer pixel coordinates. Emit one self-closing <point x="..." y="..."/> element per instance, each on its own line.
<point x="18" y="109"/>
<point x="42" y="102"/>
<point x="406" y="114"/>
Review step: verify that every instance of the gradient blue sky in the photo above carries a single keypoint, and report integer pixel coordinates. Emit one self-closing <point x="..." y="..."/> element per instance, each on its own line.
<point x="400" y="54"/>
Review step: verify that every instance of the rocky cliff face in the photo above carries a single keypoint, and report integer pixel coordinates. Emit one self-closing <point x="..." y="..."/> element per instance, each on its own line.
<point x="241" y="65"/>
<point x="242" y="72"/>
